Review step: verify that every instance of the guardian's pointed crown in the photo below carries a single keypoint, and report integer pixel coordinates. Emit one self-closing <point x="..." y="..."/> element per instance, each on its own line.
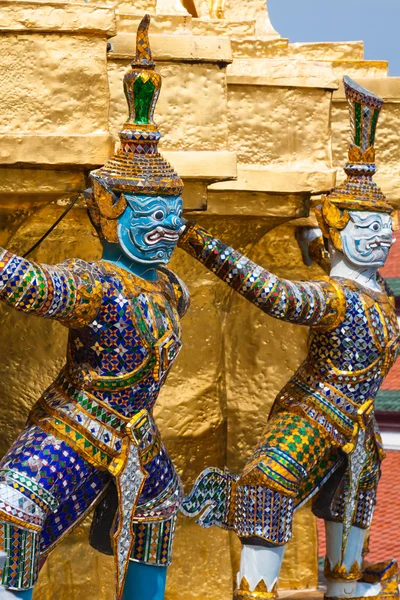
<point x="138" y="167"/>
<point x="359" y="192"/>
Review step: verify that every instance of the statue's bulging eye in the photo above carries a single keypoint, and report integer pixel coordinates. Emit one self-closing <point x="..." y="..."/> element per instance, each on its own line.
<point x="159" y="215"/>
<point x="375" y="226"/>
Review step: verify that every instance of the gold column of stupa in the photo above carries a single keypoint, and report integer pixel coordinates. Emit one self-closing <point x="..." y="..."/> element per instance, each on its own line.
<point x="248" y="121"/>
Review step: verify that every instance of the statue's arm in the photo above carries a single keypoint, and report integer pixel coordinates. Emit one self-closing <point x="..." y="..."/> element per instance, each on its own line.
<point x="321" y="303"/>
<point x="67" y="292"/>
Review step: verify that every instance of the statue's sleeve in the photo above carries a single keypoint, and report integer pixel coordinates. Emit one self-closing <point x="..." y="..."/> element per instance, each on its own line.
<point x="319" y="304"/>
<point x="69" y="292"/>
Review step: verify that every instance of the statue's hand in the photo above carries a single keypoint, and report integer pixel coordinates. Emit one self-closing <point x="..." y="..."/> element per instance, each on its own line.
<point x="304" y="237"/>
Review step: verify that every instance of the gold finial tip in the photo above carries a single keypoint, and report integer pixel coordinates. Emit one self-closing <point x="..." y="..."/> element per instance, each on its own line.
<point x="144" y="57"/>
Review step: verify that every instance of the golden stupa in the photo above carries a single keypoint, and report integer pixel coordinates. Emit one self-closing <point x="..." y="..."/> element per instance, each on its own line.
<point x="249" y="123"/>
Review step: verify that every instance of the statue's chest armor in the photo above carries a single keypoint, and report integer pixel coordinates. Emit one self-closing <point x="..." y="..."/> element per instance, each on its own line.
<point x="366" y="343"/>
<point x="157" y="323"/>
<point x="384" y="329"/>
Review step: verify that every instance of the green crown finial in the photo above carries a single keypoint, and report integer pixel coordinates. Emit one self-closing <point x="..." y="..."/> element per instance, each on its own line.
<point x="142" y="84"/>
<point x="364" y="108"/>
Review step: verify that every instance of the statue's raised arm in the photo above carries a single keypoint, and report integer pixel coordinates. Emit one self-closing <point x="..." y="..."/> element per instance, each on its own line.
<point x="70" y="292"/>
<point x="319" y="303"/>
<point x="321" y="439"/>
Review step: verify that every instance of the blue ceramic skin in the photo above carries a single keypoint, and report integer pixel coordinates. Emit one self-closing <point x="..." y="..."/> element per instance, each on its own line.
<point x="145" y="582"/>
<point x="148" y="231"/>
<point x="23" y="595"/>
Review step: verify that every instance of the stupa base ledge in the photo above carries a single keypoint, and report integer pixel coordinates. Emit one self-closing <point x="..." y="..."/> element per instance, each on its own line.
<point x="327" y="50"/>
<point x="224" y="27"/>
<point x="180" y="48"/>
<point x="211" y="166"/>
<point x="40" y="182"/>
<point x="387" y="88"/>
<point x="176" y="24"/>
<point x="64" y="17"/>
<point x="55" y="150"/>
<point x="279" y="181"/>
<point x="361" y="68"/>
<point x="258" y="205"/>
<point x="278" y="72"/>
<point x="306" y="594"/>
<point x="255" y="47"/>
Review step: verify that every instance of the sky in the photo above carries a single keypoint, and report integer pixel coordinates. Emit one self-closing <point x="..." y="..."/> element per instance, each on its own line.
<point x="376" y="22"/>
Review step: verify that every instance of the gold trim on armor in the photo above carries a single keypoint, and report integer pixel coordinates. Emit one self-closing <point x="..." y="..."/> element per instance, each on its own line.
<point x="363" y="419"/>
<point x="7" y="518"/>
<point x="57" y="427"/>
<point x="254" y="476"/>
<point x="260" y="592"/>
<point x="340" y="573"/>
<point x="232" y="504"/>
<point x="319" y="255"/>
<point x="134" y="283"/>
<point x="49" y="424"/>
<point x="298" y="410"/>
<point x="87" y="305"/>
<point x="106" y="407"/>
<point x="66" y="420"/>
<point x="361" y="372"/>
<point x="336" y="306"/>
<point x="98" y="380"/>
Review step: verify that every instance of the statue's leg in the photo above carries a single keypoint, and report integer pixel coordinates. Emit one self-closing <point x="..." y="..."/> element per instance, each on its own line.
<point x="260" y="565"/>
<point x="343" y="575"/>
<point x="27" y="595"/>
<point x="292" y="460"/>
<point x="151" y="554"/>
<point x="346" y="577"/>
<point x="145" y="582"/>
<point x="45" y="488"/>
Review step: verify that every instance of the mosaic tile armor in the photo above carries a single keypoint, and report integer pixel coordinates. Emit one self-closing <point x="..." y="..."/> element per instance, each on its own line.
<point x="124" y="336"/>
<point x="325" y="411"/>
<point x="321" y="440"/>
<point x="91" y="439"/>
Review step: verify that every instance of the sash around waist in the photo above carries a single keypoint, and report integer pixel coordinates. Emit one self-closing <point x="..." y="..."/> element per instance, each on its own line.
<point x="340" y="410"/>
<point x="91" y="427"/>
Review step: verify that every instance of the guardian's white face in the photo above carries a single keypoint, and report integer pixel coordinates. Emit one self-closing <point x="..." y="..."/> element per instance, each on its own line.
<point x="367" y="238"/>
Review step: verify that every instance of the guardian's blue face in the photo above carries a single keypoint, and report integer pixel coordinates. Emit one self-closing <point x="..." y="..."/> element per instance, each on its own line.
<point x="148" y="230"/>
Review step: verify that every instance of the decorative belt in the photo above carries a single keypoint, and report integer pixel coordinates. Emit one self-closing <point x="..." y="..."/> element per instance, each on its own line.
<point x="94" y="429"/>
<point x="109" y="441"/>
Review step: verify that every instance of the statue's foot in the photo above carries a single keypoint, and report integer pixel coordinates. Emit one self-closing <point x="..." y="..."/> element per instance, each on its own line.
<point x="380" y="581"/>
<point x="260" y="592"/>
